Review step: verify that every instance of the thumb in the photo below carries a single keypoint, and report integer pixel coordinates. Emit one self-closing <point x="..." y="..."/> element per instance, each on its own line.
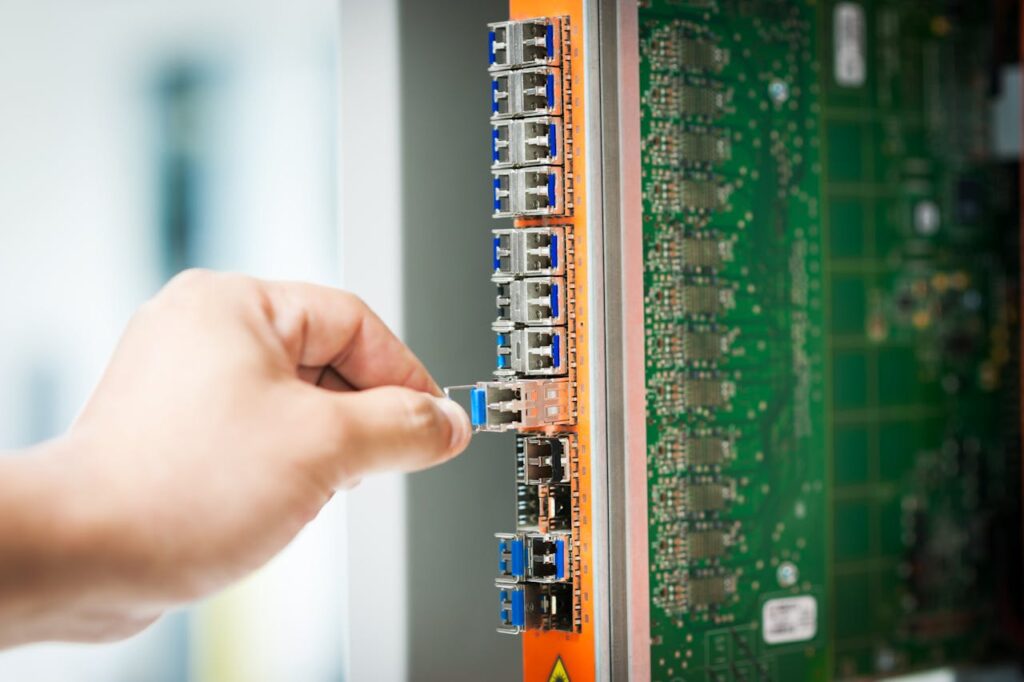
<point x="393" y="428"/>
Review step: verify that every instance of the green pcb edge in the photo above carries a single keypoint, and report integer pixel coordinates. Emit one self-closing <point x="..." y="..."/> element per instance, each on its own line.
<point x="830" y="359"/>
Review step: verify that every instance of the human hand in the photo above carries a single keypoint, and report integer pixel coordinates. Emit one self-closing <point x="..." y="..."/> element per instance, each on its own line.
<point x="206" y="447"/>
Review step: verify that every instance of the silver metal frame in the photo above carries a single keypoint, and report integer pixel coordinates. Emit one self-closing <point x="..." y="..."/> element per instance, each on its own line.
<point x="616" y="271"/>
<point x="603" y="554"/>
<point x="377" y="641"/>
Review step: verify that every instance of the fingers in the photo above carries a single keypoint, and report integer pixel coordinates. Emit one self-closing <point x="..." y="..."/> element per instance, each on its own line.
<point x="323" y="326"/>
<point x="332" y="381"/>
<point x="324" y="377"/>
<point x="393" y="429"/>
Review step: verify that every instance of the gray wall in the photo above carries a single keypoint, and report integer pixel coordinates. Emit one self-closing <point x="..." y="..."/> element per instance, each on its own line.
<point x="453" y="511"/>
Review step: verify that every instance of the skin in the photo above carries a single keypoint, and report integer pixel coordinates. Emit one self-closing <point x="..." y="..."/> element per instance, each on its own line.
<point x="230" y="413"/>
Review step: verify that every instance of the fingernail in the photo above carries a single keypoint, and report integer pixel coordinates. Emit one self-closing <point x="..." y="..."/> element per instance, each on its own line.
<point x="461" y="430"/>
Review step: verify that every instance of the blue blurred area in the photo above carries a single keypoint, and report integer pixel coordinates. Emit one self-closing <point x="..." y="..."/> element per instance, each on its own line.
<point x="136" y="140"/>
<point x="184" y="107"/>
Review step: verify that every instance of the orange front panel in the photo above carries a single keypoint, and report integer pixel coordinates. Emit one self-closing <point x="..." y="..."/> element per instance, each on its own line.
<point x="542" y="650"/>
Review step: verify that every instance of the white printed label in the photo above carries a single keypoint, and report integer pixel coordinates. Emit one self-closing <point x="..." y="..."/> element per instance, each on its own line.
<point x="850" y="62"/>
<point x="791" y="619"/>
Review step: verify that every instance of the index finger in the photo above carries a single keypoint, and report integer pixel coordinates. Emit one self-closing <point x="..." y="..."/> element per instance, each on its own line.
<point x="321" y="326"/>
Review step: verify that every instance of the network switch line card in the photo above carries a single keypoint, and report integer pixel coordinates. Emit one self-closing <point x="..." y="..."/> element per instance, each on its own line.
<point x="756" y="278"/>
<point x="544" y="372"/>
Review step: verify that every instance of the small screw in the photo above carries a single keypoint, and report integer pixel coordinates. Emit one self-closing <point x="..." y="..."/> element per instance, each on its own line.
<point x="778" y="90"/>
<point x="787" y="574"/>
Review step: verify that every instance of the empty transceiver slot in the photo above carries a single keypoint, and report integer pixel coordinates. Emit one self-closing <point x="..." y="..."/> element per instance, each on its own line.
<point x="530" y="251"/>
<point x="534" y="351"/>
<point x="545" y="458"/>
<point x="527" y="403"/>
<point x="555" y="508"/>
<point x="532" y="42"/>
<point x="531" y="301"/>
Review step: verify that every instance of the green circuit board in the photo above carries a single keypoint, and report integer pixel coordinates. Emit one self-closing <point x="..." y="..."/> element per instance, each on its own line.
<point x="831" y="380"/>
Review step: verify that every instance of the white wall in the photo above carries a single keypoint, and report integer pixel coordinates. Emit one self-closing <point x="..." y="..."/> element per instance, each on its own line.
<point x="372" y="256"/>
<point x="78" y="253"/>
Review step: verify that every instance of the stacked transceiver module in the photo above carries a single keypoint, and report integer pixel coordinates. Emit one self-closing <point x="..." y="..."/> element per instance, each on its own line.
<point x="532" y="386"/>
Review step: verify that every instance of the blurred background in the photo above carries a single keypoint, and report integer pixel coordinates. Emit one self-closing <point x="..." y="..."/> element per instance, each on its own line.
<point x="342" y="142"/>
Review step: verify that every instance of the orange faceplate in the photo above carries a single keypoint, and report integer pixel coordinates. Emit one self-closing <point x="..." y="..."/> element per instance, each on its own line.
<point x="542" y="651"/>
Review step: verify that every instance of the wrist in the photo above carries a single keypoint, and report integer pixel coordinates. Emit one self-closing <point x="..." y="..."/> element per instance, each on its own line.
<point x="61" y="578"/>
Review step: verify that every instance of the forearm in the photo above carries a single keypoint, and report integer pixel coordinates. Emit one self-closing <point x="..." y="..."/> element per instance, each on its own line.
<point x="204" y="450"/>
<point x="58" y="578"/>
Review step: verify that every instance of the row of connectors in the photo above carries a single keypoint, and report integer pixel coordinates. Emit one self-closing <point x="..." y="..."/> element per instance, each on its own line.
<point x="528" y="131"/>
<point x="529" y="565"/>
<point x="544" y="498"/>
<point x="530" y="327"/>
<point x="529" y="264"/>
<point x="544" y="482"/>
<point x="531" y="307"/>
<point x="536" y="566"/>
<point x="529" y="154"/>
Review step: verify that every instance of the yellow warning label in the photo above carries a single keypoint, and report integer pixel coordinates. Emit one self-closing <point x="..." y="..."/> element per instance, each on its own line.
<point x="558" y="673"/>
